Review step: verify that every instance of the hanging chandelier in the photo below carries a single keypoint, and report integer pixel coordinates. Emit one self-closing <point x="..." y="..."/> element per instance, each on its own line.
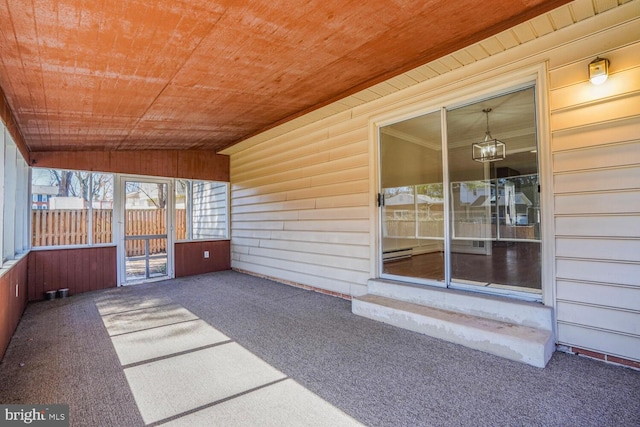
<point x="489" y="150"/>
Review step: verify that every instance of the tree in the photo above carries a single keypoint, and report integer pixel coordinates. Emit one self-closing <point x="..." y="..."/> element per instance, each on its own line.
<point x="62" y="179"/>
<point x="162" y="198"/>
<point x="102" y="187"/>
<point x="434" y="190"/>
<point x="78" y="184"/>
<point x="159" y="200"/>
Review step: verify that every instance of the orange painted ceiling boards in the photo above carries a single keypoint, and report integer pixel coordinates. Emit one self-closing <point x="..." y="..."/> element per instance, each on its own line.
<point x="185" y="74"/>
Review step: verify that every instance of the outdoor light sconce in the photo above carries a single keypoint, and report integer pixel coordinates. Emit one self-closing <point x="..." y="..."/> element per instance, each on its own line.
<point x="599" y="70"/>
<point x="489" y="150"/>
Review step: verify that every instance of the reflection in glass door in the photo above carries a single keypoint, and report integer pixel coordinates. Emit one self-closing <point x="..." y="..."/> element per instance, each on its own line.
<point x="450" y="219"/>
<point x="412" y="198"/>
<point x="495" y="205"/>
<point x="145" y="231"/>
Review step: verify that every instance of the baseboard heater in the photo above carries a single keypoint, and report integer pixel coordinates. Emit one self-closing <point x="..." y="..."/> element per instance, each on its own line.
<point x="397" y="254"/>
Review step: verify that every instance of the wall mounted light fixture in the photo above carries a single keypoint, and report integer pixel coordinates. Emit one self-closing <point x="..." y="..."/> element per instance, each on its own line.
<point x="599" y="70"/>
<point x="489" y="150"/>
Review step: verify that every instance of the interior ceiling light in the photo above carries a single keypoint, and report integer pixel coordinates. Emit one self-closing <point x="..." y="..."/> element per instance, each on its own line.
<point x="489" y="150"/>
<point x="599" y="70"/>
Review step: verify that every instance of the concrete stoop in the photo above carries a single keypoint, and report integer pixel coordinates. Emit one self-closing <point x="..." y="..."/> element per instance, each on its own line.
<point x="512" y="329"/>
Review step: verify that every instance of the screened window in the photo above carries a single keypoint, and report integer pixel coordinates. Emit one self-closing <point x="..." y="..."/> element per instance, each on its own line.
<point x="13" y="199"/>
<point x="181" y="197"/>
<point x="10" y="193"/>
<point x="71" y="207"/>
<point x="201" y="210"/>
<point x="209" y="212"/>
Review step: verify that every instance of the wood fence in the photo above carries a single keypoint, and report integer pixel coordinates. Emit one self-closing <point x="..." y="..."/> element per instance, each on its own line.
<point x="61" y="227"/>
<point x="141" y="222"/>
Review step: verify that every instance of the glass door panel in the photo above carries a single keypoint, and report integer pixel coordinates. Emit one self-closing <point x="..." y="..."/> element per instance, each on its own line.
<point x="412" y="198"/>
<point x="491" y="204"/>
<point x="495" y="206"/>
<point x="145" y="232"/>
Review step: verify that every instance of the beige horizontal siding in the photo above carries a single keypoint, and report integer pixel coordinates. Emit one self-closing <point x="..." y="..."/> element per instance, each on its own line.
<point x="621" y="85"/>
<point x="609" y="248"/>
<point x="301" y="196"/>
<point x="621" y="178"/>
<point x="609" y="341"/>
<point x="596" y="135"/>
<point x="316" y="277"/>
<point x="627" y="201"/>
<point x="350" y="251"/>
<point x="596" y="293"/>
<point x="595" y="157"/>
<point x="613" y="109"/>
<point x="607" y="226"/>
<point x="595" y="316"/>
<point x="326" y="277"/>
<point x="607" y="272"/>
<point x="349" y="187"/>
<point x="623" y="58"/>
<point x="300" y="208"/>
<point x="335" y="237"/>
<point x="596" y="184"/>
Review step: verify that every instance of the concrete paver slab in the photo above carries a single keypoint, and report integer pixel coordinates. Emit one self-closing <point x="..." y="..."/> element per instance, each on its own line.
<point x="146" y="318"/>
<point x="172" y="386"/>
<point x="286" y="403"/>
<point x="162" y="341"/>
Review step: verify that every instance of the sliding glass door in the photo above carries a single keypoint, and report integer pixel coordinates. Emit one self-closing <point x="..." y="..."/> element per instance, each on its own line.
<point x="412" y="198"/>
<point x="460" y="201"/>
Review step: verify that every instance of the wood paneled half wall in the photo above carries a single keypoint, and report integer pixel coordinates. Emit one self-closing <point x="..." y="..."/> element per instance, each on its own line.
<point x="13" y="300"/>
<point x="190" y="257"/>
<point x="78" y="269"/>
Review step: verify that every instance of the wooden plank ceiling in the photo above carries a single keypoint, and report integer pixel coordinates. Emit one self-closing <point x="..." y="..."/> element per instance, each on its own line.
<point x="200" y="74"/>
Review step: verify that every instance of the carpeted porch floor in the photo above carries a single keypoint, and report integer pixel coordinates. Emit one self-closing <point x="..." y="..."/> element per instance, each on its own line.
<point x="232" y="349"/>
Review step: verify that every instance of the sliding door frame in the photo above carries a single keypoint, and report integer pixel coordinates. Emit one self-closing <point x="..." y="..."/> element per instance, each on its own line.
<point x="448" y="98"/>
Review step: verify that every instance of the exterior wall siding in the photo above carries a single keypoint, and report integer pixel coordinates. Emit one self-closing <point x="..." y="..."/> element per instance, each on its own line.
<point x="300" y="209"/>
<point x="302" y="200"/>
<point x="596" y="176"/>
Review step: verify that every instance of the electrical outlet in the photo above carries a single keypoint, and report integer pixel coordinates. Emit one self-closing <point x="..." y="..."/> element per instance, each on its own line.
<point x="206" y="254"/>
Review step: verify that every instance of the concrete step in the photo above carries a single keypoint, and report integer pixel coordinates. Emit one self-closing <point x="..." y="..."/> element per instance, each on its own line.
<point x="493" y="307"/>
<point x="521" y="343"/>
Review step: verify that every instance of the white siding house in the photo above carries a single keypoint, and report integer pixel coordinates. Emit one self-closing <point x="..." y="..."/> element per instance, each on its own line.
<point x="303" y="195"/>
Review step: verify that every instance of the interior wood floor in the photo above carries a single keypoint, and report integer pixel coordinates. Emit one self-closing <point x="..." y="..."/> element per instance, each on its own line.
<point x="512" y="264"/>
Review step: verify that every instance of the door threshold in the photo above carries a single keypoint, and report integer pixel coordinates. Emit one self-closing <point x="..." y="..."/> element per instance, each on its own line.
<point x="140" y="282"/>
